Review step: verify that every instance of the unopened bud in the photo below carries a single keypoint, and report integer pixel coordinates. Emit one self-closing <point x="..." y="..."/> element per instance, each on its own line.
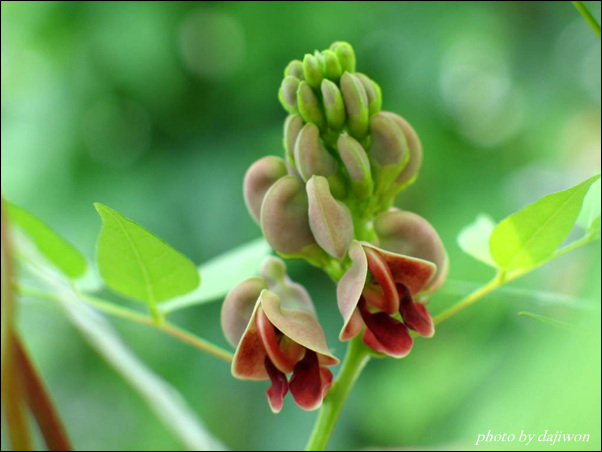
<point x="334" y="106"/>
<point x="292" y="127"/>
<point x="309" y="105"/>
<point x="311" y="157"/>
<point x="330" y="220"/>
<point x="373" y="92"/>
<point x="288" y="93"/>
<point x="345" y="54"/>
<point x="332" y="66"/>
<point x="356" y="104"/>
<point x="410" y="172"/>
<point x="259" y="178"/>
<point x="312" y="71"/>
<point x="284" y="217"/>
<point x="357" y="164"/>
<point x="294" y="68"/>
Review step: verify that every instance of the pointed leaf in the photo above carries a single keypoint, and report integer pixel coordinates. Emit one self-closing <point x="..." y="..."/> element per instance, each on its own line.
<point x="531" y="235"/>
<point x="138" y="264"/>
<point x="52" y="246"/>
<point x="589" y="218"/>
<point x="474" y="239"/>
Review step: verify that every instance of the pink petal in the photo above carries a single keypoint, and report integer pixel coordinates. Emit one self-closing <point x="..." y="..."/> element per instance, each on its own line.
<point x="278" y="389"/>
<point x="385" y="334"/>
<point x="248" y="362"/>
<point x="310" y="383"/>
<point x="299" y="326"/>
<point x="267" y="334"/>
<point x="415" y="315"/>
<point x="349" y="290"/>
<point x="353" y="327"/>
<point x="412" y="272"/>
<point x="380" y="270"/>
<point x="374" y="297"/>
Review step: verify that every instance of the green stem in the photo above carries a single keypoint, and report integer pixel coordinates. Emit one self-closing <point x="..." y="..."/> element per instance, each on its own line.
<point x="127" y="314"/>
<point x="587" y="15"/>
<point x="503" y="278"/>
<point x="357" y="357"/>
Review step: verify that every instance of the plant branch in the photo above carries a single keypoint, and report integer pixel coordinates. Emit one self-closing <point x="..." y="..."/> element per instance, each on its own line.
<point x="503" y="278"/>
<point x="12" y="390"/>
<point x="588" y="16"/>
<point x="39" y="401"/>
<point x="136" y="317"/>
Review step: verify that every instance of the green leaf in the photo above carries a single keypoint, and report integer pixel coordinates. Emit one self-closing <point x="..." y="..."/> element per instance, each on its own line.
<point x="138" y="264"/>
<point x="222" y="273"/>
<point x="589" y="218"/>
<point x="52" y="246"/>
<point x="531" y="236"/>
<point x="473" y="239"/>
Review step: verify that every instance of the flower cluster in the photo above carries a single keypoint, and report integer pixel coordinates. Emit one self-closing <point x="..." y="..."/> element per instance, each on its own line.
<point x="329" y="201"/>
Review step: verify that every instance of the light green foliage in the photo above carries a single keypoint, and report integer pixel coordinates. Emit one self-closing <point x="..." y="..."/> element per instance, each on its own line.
<point x="138" y="264"/>
<point x="473" y="239"/>
<point x="531" y="235"/>
<point x="221" y="274"/>
<point x="589" y="218"/>
<point x="53" y="247"/>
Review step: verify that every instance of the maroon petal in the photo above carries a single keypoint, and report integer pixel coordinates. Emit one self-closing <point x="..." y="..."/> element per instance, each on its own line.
<point x="279" y="387"/>
<point x="309" y="382"/>
<point x="380" y="270"/>
<point x="415" y="315"/>
<point x="284" y="362"/>
<point x="385" y="334"/>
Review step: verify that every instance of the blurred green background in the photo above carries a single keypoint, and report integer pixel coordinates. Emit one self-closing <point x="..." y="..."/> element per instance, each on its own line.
<point x="157" y="108"/>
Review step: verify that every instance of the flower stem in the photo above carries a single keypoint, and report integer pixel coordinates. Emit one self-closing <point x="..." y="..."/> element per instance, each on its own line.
<point x="357" y="357"/>
<point x="133" y="316"/>
<point x="587" y="15"/>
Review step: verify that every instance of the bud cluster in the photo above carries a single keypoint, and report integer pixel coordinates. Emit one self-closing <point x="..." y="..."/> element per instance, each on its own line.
<point x="345" y="160"/>
<point x="329" y="201"/>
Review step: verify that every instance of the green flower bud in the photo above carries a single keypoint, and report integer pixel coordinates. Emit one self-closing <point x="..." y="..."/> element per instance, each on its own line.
<point x="284" y="217"/>
<point x="330" y="220"/>
<point x="357" y="164"/>
<point x="309" y="105"/>
<point x="373" y="92"/>
<point x="334" y="106"/>
<point x="410" y="172"/>
<point x="311" y="157"/>
<point x="356" y="104"/>
<point x="312" y="71"/>
<point x="345" y="54"/>
<point x="295" y="69"/>
<point x="332" y="66"/>
<point x="288" y="93"/>
<point x="259" y="178"/>
<point x="389" y="151"/>
<point x="292" y="127"/>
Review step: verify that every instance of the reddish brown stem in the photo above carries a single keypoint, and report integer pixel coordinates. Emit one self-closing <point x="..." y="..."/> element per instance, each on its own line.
<point x="13" y="403"/>
<point x="40" y="403"/>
